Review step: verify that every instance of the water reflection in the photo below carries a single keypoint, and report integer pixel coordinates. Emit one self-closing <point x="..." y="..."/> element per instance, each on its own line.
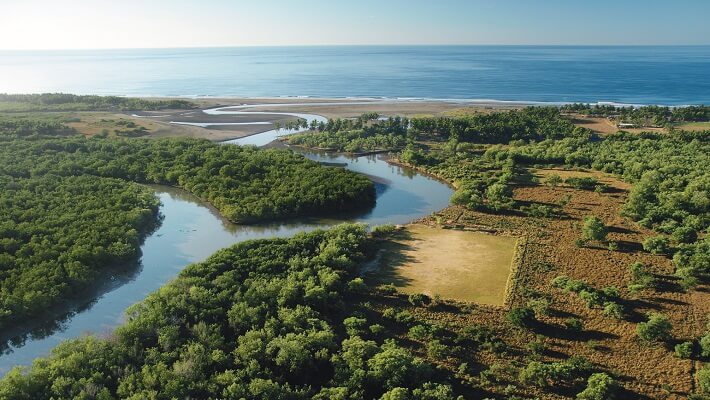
<point x="191" y="231"/>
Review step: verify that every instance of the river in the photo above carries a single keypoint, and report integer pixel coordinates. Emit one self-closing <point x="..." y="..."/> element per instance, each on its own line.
<point x="192" y="230"/>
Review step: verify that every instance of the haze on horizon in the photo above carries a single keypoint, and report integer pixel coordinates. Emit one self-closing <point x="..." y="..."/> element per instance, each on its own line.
<point x="98" y="24"/>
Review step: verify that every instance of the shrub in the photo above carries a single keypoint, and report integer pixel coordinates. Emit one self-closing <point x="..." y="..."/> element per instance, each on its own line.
<point x="541" y="306"/>
<point x="389" y="313"/>
<point x="354" y="326"/>
<point x="705" y="345"/>
<point x="383" y="230"/>
<point x="703" y="376"/>
<point x="419" y="332"/>
<point x="419" y="299"/>
<point x="656" y="329"/>
<point x="539" y="211"/>
<point x="388" y="289"/>
<point x="600" y="386"/>
<point x="405" y="317"/>
<point x="537" y="346"/>
<point x="553" y="180"/>
<point x="641" y="277"/>
<point x="684" y="234"/>
<point x="357" y="286"/>
<point x="377" y="329"/>
<point x="523" y="317"/>
<point x="594" y="229"/>
<point x="582" y="183"/>
<point x="657" y="245"/>
<point x="549" y="374"/>
<point x="574" y="324"/>
<point x="592" y="297"/>
<point x="614" y="310"/>
<point x="437" y="350"/>
<point x="684" y="350"/>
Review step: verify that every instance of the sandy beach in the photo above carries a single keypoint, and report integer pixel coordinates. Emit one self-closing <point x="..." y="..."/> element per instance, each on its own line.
<point x="175" y="123"/>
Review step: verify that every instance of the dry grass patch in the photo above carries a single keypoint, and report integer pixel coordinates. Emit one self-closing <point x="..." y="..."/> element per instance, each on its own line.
<point x="457" y="265"/>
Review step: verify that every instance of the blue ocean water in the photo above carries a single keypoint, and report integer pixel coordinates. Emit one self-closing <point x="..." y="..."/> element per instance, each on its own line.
<point x="671" y="75"/>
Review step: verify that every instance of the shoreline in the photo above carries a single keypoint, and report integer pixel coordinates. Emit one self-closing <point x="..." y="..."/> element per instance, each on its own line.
<point x="470" y="101"/>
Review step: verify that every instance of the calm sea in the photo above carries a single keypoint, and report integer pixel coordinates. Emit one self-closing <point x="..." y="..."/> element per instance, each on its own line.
<point x="637" y="75"/>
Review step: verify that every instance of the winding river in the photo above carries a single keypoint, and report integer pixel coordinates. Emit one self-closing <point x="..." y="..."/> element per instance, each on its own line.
<point x="192" y="230"/>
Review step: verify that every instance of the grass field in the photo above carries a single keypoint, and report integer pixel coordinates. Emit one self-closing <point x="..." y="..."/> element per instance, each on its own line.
<point x="694" y="126"/>
<point x="456" y="265"/>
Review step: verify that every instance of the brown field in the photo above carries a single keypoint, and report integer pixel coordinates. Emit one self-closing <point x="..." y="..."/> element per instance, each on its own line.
<point x="456" y="265"/>
<point x="646" y="371"/>
<point x="694" y="126"/>
<point x="597" y="124"/>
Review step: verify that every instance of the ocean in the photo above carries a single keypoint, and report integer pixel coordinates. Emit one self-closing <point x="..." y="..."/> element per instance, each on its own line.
<point x="667" y="75"/>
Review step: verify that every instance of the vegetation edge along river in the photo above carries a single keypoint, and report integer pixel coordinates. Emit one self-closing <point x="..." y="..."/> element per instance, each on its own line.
<point x="616" y="265"/>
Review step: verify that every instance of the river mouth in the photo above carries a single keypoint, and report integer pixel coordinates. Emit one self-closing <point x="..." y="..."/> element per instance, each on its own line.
<point x="192" y="230"/>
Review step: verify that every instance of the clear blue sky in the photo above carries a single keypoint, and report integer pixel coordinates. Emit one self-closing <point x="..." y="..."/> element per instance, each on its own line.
<point x="60" y="24"/>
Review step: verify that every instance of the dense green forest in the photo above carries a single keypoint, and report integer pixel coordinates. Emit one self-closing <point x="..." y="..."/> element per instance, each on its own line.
<point x="72" y="206"/>
<point x="246" y="184"/>
<point x="356" y="135"/>
<point x="72" y="102"/>
<point x="646" y="115"/>
<point x="59" y="233"/>
<point x="360" y="135"/>
<point x="22" y="126"/>
<point x="263" y="319"/>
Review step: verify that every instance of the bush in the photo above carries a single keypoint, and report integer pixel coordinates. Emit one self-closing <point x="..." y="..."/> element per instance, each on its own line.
<point x="523" y="317"/>
<point x="656" y="329"/>
<point x="539" y="211"/>
<point x="541" y="306"/>
<point x="684" y="350"/>
<point x="574" y="324"/>
<point x="684" y="234"/>
<point x="594" y="229"/>
<point x="705" y="345"/>
<point x="437" y="350"/>
<point x="388" y="289"/>
<point x="657" y="245"/>
<point x="551" y="374"/>
<point x="614" y="310"/>
<point x="704" y="379"/>
<point x="355" y="326"/>
<point x="419" y="332"/>
<point x="592" y="297"/>
<point x="357" y="286"/>
<point x="641" y="277"/>
<point x="419" y="299"/>
<point x="600" y="386"/>
<point x="553" y="180"/>
<point x="384" y="230"/>
<point x="377" y="329"/>
<point x="582" y="183"/>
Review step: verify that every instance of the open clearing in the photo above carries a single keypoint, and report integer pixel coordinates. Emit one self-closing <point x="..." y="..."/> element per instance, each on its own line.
<point x="457" y="265"/>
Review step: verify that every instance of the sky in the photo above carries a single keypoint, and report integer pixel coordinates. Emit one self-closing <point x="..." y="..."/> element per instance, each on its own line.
<point x="95" y="24"/>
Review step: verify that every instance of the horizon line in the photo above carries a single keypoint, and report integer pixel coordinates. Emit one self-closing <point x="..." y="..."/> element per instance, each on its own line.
<point x="355" y="45"/>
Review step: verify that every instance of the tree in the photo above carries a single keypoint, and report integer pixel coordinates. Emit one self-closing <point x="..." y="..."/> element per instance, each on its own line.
<point x="594" y="229"/>
<point x="523" y="317"/>
<point x="656" y="329"/>
<point x="553" y="180"/>
<point x="703" y="376"/>
<point x="600" y="386"/>
<point x="657" y="245"/>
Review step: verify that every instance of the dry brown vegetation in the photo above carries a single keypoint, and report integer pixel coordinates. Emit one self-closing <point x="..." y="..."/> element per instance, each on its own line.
<point x="651" y="371"/>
